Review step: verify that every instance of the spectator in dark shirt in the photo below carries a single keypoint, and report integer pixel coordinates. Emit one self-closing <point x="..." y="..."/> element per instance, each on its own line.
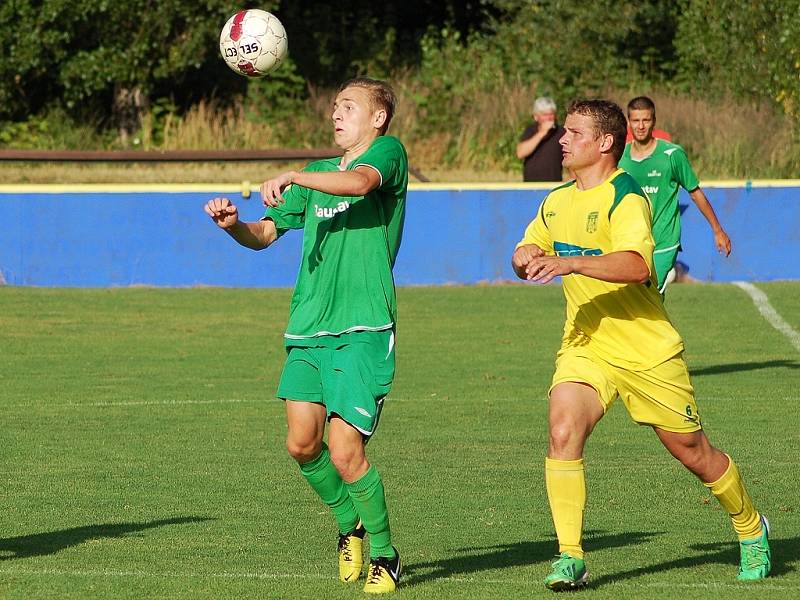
<point x="538" y="148"/>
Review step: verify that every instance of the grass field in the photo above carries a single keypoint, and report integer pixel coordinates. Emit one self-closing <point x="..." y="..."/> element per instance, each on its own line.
<point x="142" y="450"/>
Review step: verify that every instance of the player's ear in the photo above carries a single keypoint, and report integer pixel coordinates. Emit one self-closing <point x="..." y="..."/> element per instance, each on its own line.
<point x="379" y="118"/>
<point x="606" y="143"/>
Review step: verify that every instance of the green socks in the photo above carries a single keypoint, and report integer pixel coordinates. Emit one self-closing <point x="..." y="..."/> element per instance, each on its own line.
<point x="370" y="502"/>
<point x="362" y="499"/>
<point x="328" y="484"/>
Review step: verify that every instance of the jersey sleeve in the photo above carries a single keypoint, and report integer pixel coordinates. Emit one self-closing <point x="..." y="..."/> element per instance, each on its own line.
<point x="537" y="232"/>
<point x="292" y="213"/>
<point x="388" y="157"/>
<point x="631" y="227"/>
<point x="683" y="171"/>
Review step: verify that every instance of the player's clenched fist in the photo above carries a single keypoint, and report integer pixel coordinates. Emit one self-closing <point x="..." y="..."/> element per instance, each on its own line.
<point x="223" y="212"/>
<point x="523" y="256"/>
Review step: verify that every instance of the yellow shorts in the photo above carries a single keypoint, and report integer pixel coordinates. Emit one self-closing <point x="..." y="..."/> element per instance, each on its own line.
<point x="661" y="397"/>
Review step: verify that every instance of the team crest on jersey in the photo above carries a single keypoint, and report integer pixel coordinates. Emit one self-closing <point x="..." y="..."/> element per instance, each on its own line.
<point x="591" y="222"/>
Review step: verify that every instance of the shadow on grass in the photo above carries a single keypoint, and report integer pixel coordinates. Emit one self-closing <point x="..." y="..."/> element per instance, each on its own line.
<point x="478" y="559"/>
<point x="725" y="554"/>
<point x="748" y="366"/>
<point x="40" y="544"/>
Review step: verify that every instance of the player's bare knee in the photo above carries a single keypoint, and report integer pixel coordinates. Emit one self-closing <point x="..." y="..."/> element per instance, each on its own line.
<point x="342" y="458"/>
<point x="348" y="461"/>
<point x="691" y="458"/>
<point x="565" y="439"/>
<point x="697" y="457"/>
<point x="303" y="451"/>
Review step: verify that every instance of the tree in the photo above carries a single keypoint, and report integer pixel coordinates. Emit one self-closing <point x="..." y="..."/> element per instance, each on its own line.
<point x="111" y="58"/>
<point x="95" y="55"/>
<point x="748" y="49"/>
<point x="361" y="37"/>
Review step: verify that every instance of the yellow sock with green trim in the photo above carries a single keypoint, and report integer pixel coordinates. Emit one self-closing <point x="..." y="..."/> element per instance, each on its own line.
<point x="732" y="495"/>
<point x="566" y="491"/>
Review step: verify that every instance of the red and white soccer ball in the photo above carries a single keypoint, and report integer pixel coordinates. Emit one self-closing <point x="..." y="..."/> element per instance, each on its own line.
<point x="253" y="43"/>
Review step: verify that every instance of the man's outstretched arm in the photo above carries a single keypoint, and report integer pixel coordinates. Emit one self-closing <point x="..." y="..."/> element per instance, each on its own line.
<point x="255" y="235"/>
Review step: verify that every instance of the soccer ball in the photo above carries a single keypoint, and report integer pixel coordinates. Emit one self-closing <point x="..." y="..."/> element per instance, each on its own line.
<point x="253" y="42"/>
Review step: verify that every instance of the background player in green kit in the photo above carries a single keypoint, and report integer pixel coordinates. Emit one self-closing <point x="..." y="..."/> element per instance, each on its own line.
<point x="340" y="335"/>
<point x="662" y="168"/>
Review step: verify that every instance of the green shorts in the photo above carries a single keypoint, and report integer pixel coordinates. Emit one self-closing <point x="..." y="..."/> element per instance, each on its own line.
<point x="349" y="374"/>
<point x="663" y="262"/>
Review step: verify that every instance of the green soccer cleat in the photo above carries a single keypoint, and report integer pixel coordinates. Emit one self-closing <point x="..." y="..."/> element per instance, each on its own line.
<point x="568" y="574"/>
<point x="351" y="557"/>
<point x="383" y="574"/>
<point x="755" y="556"/>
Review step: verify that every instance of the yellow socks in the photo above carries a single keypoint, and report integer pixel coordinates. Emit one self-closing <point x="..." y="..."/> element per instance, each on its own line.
<point x="729" y="490"/>
<point x="566" y="491"/>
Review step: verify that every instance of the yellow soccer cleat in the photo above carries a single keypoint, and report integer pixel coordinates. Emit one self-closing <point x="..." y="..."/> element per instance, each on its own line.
<point x="383" y="574"/>
<point x="351" y="557"/>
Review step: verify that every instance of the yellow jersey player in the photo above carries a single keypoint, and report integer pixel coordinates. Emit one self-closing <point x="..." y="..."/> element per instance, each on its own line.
<point x="595" y="232"/>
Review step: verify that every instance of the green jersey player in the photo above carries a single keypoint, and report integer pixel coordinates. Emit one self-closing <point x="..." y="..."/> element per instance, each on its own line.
<point x="340" y="338"/>
<point x="661" y="168"/>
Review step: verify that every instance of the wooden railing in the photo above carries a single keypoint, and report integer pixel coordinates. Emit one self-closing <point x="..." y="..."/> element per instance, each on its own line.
<point x="282" y="154"/>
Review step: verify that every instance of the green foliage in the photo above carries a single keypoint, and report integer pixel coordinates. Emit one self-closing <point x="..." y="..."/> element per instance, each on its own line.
<point x="155" y="123"/>
<point x="335" y="41"/>
<point x="453" y="94"/>
<point x="80" y="52"/>
<point x="53" y="128"/>
<point x="553" y="47"/>
<point x="280" y="99"/>
<point x="24" y="134"/>
<point x="746" y="48"/>
<point x="567" y="48"/>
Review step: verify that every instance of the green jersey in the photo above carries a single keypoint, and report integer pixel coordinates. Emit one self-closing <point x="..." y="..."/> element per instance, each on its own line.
<point x="661" y="176"/>
<point x="345" y="283"/>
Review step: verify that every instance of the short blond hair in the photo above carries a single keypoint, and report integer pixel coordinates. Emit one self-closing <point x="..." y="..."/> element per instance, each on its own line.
<point x="381" y="96"/>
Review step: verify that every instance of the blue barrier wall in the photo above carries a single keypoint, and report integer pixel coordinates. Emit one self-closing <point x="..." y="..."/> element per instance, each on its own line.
<point x="89" y="238"/>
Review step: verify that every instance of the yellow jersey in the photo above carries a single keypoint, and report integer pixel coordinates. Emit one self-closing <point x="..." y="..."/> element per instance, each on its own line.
<point x="623" y="323"/>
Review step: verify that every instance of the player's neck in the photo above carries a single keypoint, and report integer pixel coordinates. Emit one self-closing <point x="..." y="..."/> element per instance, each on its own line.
<point x="356" y="150"/>
<point x="643" y="149"/>
<point x="591" y="176"/>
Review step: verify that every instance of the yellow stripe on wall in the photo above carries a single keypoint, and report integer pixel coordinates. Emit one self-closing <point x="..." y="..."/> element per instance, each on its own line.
<point x="246" y="186"/>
